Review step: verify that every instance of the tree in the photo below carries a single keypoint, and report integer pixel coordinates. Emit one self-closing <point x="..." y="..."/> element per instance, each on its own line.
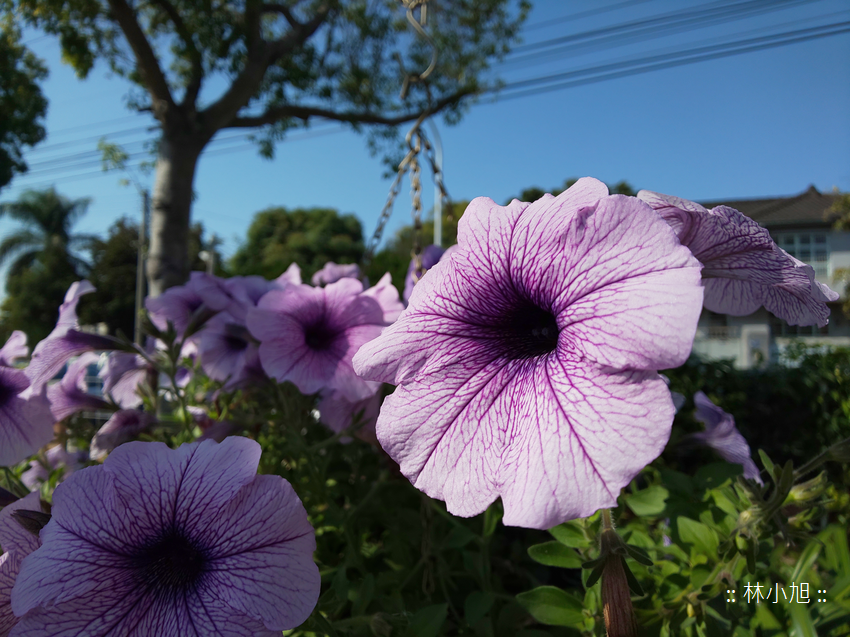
<point x="309" y="237"/>
<point x="284" y="63"/>
<point x="22" y="104"/>
<point x="534" y="193"/>
<point x="33" y="297"/>
<point x="113" y="273"/>
<point x="47" y="219"/>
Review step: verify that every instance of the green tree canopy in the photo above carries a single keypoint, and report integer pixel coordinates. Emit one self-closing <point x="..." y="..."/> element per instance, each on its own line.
<point x="47" y="219"/>
<point x="113" y="273"/>
<point x="22" y="105"/>
<point x="283" y="65"/>
<point x="33" y="297"/>
<point x="309" y="237"/>
<point x="534" y="193"/>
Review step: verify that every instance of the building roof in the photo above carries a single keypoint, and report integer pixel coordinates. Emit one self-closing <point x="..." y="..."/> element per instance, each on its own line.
<point x="809" y="208"/>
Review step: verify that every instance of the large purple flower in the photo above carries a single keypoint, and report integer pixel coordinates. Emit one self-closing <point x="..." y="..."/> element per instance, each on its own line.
<point x="70" y="394"/>
<point x="228" y="353"/>
<point x="65" y="341"/>
<point x="340" y="414"/>
<point x="156" y="541"/>
<point x="429" y="257"/>
<point x="56" y="457"/>
<point x="123" y="425"/>
<point x="723" y="436"/>
<point x="526" y="362"/>
<point x="332" y="272"/>
<point x="743" y="268"/>
<point x="26" y="423"/>
<point x="122" y="375"/>
<point x="15" y="348"/>
<point x="309" y="335"/>
<point x="17" y="543"/>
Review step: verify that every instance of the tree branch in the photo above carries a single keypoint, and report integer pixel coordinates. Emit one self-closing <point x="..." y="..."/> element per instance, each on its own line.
<point x="282" y="9"/>
<point x="146" y="59"/>
<point x="260" y="57"/>
<point x="276" y="114"/>
<point x="194" y="86"/>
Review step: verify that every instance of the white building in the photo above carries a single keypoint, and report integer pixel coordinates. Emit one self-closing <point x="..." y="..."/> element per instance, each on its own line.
<point x="802" y="226"/>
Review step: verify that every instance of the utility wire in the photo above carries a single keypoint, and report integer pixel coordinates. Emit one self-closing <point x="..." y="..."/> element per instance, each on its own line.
<point x="622" y="35"/>
<point x="650" y="63"/>
<point x="702" y="13"/>
<point x="581" y="14"/>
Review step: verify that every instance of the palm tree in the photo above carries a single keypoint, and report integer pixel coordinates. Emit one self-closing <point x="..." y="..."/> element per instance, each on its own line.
<point x="47" y="219"/>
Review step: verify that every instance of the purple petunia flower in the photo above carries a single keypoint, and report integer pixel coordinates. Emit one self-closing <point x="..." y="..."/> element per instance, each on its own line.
<point x="229" y="353"/>
<point x="721" y="435"/>
<point x="122" y="426"/>
<point x="15" y="348"/>
<point x="339" y="414"/>
<point x="526" y="362"/>
<point x="309" y="335"/>
<point x="156" y="541"/>
<point x="65" y="341"/>
<point x="123" y="373"/>
<point x="743" y="268"/>
<point x="429" y="257"/>
<point x="17" y="543"/>
<point x="26" y="423"/>
<point x="70" y="394"/>
<point x="333" y="272"/>
<point x="386" y="294"/>
<point x="57" y="456"/>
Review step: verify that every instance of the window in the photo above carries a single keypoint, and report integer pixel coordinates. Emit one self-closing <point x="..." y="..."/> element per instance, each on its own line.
<point x="809" y="247"/>
<point x="778" y="327"/>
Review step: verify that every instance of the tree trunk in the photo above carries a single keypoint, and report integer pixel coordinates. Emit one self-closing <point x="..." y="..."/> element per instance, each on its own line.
<point x="168" y="257"/>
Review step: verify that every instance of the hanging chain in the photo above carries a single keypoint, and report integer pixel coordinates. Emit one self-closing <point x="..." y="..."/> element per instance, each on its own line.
<point x="415" y="139"/>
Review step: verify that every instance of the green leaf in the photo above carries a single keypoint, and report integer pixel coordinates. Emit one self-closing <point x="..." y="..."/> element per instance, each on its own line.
<point x="648" y="502"/>
<point x="716" y="474"/>
<point x="552" y="606"/>
<point x="555" y="554"/>
<point x="639" y="555"/>
<point x="766" y="461"/>
<point x="805" y="561"/>
<point x="428" y="621"/>
<point x="476" y="606"/>
<point x="459" y="537"/>
<point x="491" y="517"/>
<point x="569" y="534"/>
<point x="698" y="535"/>
<point x="801" y="622"/>
<point x="364" y="595"/>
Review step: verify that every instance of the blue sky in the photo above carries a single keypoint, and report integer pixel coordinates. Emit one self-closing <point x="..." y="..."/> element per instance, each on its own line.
<point x="765" y="123"/>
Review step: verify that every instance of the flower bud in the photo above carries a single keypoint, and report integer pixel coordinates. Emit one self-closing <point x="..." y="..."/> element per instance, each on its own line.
<point x="809" y="490"/>
<point x="616" y="598"/>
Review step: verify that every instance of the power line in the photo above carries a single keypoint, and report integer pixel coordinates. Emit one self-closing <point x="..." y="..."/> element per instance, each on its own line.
<point x="703" y="13"/>
<point x="650" y="63"/>
<point x="643" y="30"/>
<point x="581" y="14"/>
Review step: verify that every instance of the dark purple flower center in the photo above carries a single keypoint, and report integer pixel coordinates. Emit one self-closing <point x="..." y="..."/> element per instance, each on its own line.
<point x="6" y="393"/>
<point x="235" y="336"/>
<point x="171" y="563"/>
<point x="319" y="336"/>
<point x="531" y="331"/>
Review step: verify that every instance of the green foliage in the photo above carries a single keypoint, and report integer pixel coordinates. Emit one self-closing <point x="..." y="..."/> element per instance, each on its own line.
<point x="33" y="296"/>
<point x="772" y="405"/>
<point x="113" y="273"/>
<point x="309" y="237"/>
<point x="22" y="105"/>
<point x="42" y="260"/>
<point x="534" y="193"/>
<point x="395" y="256"/>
